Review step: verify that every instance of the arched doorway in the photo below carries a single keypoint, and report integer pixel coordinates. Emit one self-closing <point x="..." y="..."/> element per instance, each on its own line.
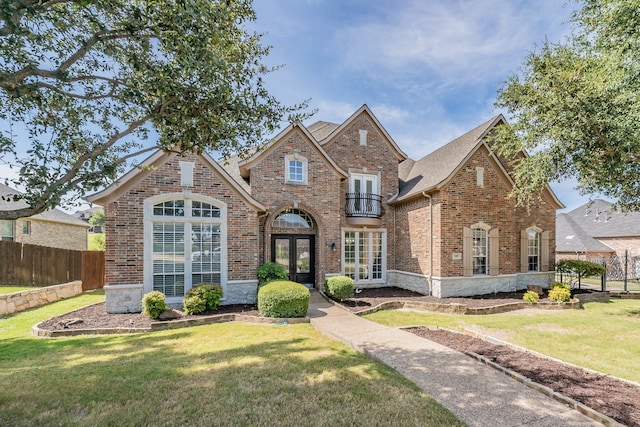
<point x="293" y="245"/>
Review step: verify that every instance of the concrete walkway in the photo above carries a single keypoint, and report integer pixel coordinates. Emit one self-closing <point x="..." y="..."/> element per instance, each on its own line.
<point x="474" y="392"/>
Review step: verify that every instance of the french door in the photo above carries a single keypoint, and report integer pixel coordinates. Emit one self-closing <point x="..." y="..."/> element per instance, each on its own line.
<point x="296" y="254"/>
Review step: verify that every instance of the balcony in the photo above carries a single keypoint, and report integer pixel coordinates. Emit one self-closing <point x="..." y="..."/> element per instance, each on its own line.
<point x="364" y="209"/>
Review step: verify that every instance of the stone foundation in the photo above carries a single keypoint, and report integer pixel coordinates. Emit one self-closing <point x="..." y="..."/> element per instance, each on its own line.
<point x="444" y="287"/>
<point x="413" y="282"/>
<point x="23" y="300"/>
<point x="241" y="292"/>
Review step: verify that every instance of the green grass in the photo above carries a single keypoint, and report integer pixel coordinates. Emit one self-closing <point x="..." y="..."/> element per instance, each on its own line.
<point x="602" y="336"/>
<point x="225" y="374"/>
<point x="6" y="289"/>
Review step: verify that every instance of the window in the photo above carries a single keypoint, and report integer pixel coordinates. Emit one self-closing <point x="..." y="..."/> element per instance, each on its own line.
<point x="479" y="251"/>
<point x="6" y="229"/>
<point x="26" y="227"/>
<point x="363" y="256"/>
<point x="533" y="250"/>
<point x="295" y="169"/>
<point x="293" y="218"/>
<point x="185" y="244"/>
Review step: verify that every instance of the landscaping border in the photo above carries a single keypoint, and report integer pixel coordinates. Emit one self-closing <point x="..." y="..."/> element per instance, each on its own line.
<point x="24" y="300"/>
<point x="37" y="331"/>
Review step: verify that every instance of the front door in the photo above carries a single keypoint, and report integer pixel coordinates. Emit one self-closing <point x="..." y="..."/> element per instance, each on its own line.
<point x="296" y="254"/>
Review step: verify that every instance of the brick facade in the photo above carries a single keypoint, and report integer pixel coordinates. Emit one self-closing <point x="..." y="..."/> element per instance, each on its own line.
<point x="424" y="233"/>
<point x="52" y="234"/>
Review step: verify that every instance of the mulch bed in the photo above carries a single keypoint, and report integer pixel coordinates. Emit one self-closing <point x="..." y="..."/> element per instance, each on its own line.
<point x="616" y="399"/>
<point x="95" y="316"/>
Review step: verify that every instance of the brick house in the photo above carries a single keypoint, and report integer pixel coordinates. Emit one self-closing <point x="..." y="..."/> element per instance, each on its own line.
<point x="53" y="228"/>
<point x="596" y="230"/>
<point x="328" y="199"/>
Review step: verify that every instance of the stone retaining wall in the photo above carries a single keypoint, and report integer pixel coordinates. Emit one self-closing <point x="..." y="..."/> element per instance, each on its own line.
<point x="23" y="300"/>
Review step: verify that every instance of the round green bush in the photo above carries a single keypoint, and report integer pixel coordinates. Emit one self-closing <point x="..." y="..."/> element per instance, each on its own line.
<point x="560" y="292"/>
<point x="202" y="297"/>
<point x="339" y="287"/>
<point x="531" y="296"/>
<point x="283" y="298"/>
<point x="269" y="272"/>
<point x="153" y="304"/>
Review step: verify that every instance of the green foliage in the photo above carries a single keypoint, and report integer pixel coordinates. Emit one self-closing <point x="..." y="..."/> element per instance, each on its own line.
<point x="283" y="298"/>
<point x="531" y="296"/>
<point x="575" y="107"/>
<point x="89" y="82"/>
<point x="96" y="242"/>
<point x="580" y="268"/>
<point x="153" y="304"/>
<point x="339" y="287"/>
<point x="560" y="292"/>
<point x="270" y="271"/>
<point x="97" y="219"/>
<point x="202" y="297"/>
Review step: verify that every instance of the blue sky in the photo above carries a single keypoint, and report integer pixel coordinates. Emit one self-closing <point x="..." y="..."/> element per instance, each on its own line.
<point x="429" y="69"/>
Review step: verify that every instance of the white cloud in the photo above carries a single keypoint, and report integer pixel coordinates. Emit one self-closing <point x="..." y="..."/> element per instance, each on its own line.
<point x="458" y="42"/>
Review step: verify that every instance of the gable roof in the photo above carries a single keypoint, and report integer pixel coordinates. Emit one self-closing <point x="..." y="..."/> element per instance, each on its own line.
<point x="435" y="169"/>
<point x="599" y="218"/>
<point x="245" y="165"/>
<point x="324" y="128"/>
<point x="157" y="159"/>
<point x="321" y="130"/>
<point x="570" y="237"/>
<point x="53" y="215"/>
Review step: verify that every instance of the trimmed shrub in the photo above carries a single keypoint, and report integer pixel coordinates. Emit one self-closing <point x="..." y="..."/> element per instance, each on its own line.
<point x="271" y="271"/>
<point x="559" y="292"/>
<point x="283" y="298"/>
<point x="531" y="296"/>
<point x="202" y="297"/>
<point x="339" y="287"/>
<point x="154" y="304"/>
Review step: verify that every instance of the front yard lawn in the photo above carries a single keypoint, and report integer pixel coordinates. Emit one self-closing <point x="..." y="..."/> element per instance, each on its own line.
<point x="223" y="375"/>
<point x="603" y="336"/>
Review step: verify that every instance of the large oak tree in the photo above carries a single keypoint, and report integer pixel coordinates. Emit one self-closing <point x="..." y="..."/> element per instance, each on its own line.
<point x="574" y="107"/>
<point x="87" y="86"/>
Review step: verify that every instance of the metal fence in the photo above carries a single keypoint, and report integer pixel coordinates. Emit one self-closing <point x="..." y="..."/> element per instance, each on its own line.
<point x="623" y="273"/>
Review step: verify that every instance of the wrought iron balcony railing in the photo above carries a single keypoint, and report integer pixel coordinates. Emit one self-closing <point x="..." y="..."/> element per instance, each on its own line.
<point x="364" y="205"/>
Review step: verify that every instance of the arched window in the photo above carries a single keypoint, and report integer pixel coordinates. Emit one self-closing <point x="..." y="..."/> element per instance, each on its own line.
<point x="533" y="250"/>
<point x="293" y="218"/>
<point x="185" y="243"/>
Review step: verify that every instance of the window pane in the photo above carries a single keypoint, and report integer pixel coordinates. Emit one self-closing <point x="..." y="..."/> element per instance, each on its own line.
<point x="303" y="256"/>
<point x="282" y="253"/>
<point x="6" y="229"/>
<point x="350" y="254"/>
<point x="293" y="218"/>
<point x="479" y="251"/>
<point x="295" y="171"/>
<point x="168" y="258"/>
<point x="533" y="248"/>
<point x="170" y="208"/>
<point x="363" y="256"/>
<point x="205" y="252"/>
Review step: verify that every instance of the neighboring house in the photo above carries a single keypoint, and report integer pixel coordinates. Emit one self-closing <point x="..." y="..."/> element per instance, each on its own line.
<point x="86" y="215"/>
<point x="595" y="230"/>
<point x="328" y="199"/>
<point x="52" y="228"/>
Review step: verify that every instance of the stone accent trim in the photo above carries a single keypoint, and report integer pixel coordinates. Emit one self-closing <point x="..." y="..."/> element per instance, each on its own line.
<point x="23" y="300"/>
<point x="444" y="287"/>
<point x="124" y="298"/>
<point x="411" y="281"/>
<point x="241" y="292"/>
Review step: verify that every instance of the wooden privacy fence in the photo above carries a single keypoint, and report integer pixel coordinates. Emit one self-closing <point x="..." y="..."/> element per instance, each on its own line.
<point x="22" y="264"/>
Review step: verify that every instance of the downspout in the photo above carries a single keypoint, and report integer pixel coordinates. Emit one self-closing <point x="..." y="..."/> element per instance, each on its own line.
<point x="424" y="193"/>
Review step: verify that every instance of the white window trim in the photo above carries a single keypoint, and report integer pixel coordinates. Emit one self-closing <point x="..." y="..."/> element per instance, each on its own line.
<point x="305" y="169"/>
<point x="383" y="232"/>
<point x="187" y="219"/>
<point x="538" y="232"/>
<point x="359" y="173"/>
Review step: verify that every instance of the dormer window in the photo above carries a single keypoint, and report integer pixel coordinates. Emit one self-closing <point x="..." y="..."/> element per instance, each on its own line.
<point x="296" y="170"/>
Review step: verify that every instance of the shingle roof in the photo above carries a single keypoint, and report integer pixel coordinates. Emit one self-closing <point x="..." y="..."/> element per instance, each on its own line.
<point x="55" y="215"/>
<point x="320" y="130"/>
<point x="600" y="219"/>
<point x="435" y="168"/>
<point x="570" y="237"/>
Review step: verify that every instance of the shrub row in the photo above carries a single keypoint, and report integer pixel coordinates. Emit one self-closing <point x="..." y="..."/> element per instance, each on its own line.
<point x="283" y="298"/>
